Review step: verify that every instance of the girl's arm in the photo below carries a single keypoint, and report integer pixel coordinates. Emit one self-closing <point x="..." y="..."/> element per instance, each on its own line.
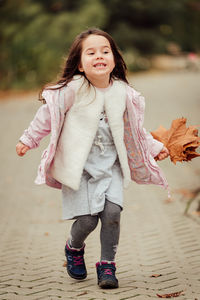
<point x="158" y="150"/>
<point x="38" y="128"/>
<point x="154" y="145"/>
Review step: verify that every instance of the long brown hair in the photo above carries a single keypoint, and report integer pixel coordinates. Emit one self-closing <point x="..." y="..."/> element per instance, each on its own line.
<point x="73" y="61"/>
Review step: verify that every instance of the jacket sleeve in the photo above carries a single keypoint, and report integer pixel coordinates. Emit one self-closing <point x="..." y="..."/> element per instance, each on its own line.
<point x="38" y="128"/>
<point x="138" y="102"/>
<point x="154" y="145"/>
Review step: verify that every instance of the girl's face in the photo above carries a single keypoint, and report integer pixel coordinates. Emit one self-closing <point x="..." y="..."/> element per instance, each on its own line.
<point x="97" y="60"/>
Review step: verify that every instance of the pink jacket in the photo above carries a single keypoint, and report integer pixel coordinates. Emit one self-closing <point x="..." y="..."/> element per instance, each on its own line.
<point x="140" y="145"/>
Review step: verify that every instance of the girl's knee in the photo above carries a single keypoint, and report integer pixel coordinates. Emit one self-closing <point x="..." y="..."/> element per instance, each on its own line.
<point x="111" y="213"/>
<point x="88" y="223"/>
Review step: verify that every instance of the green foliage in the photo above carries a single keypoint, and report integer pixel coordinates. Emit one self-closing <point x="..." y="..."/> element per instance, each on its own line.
<point x="34" y="41"/>
<point x="35" y="35"/>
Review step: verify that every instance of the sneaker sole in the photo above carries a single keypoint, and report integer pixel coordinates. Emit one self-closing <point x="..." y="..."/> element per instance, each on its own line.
<point x="75" y="276"/>
<point x="108" y="284"/>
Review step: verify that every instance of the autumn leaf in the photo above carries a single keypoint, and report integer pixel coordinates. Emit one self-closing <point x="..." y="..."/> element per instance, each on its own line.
<point x="196" y="213"/>
<point x="168" y="200"/>
<point x="156" y="275"/>
<point x="181" y="141"/>
<point x="83" y="293"/>
<point x="65" y="264"/>
<point x="190" y="195"/>
<point x="171" y="295"/>
<point x="186" y="193"/>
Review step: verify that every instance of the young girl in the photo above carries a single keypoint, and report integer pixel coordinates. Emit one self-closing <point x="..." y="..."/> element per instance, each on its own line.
<point x="97" y="145"/>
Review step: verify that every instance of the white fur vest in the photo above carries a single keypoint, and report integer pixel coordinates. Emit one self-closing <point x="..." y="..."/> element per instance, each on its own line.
<point x="80" y="127"/>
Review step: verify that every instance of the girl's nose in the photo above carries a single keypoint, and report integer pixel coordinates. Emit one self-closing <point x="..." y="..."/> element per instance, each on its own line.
<point x="98" y="55"/>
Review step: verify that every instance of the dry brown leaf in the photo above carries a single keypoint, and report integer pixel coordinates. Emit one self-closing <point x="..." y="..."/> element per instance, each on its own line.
<point x="83" y="293"/>
<point x="156" y="275"/>
<point x="46" y="233"/>
<point x="186" y="193"/>
<point x="168" y="200"/>
<point x="181" y="141"/>
<point x="196" y="213"/>
<point x="65" y="264"/>
<point x="171" y="295"/>
<point x="161" y="134"/>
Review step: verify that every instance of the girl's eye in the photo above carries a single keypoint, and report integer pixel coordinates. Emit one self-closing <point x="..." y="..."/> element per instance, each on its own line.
<point x="105" y="52"/>
<point x="90" y="53"/>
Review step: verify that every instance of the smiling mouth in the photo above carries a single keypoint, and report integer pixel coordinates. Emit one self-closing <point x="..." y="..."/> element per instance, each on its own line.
<point x="100" y="65"/>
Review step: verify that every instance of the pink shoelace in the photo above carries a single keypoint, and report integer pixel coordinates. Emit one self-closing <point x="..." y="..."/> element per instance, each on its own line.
<point x="78" y="260"/>
<point x="107" y="271"/>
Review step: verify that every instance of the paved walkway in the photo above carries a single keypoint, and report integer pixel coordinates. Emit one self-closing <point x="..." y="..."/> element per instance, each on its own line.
<point x="156" y="238"/>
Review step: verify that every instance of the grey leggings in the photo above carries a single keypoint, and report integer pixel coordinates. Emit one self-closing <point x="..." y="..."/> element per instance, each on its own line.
<point x="110" y="229"/>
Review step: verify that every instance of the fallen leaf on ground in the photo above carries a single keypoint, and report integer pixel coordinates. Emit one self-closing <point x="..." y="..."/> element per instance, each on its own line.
<point x="181" y="141"/>
<point x="156" y="275"/>
<point x="196" y="213"/>
<point x="65" y="264"/>
<point x="83" y="293"/>
<point x="171" y="295"/>
<point x="186" y="193"/>
<point x="168" y="200"/>
<point x="190" y="194"/>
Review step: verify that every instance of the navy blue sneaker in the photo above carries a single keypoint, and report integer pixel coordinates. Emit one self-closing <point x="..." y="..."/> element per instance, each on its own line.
<point x="75" y="262"/>
<point x="106" y="275"/>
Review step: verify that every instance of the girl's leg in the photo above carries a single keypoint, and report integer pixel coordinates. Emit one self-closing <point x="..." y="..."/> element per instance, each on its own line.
<point x="74" y="249"/>
<point x="110" y="230"/>
<point x="81" y="228"/>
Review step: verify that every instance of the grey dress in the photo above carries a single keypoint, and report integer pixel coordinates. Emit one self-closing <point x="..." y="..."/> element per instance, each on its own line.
<point x="101" y="179"/>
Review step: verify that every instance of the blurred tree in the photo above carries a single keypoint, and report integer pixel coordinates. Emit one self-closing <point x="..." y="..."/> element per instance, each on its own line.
<point x="142" y="24"/>
<point x="36" y="34"/>
<point x="56" y="6"/>
<point x="146" y="27"/>
<point x="36" y="39"/>
<point x="187" y="26"/>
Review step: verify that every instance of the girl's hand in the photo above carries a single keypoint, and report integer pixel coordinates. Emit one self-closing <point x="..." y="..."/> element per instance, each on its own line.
<point x="164" y="153"/>
<point x="21" y="149"/>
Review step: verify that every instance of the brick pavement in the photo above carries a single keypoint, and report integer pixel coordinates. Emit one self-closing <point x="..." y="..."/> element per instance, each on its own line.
<point x="156" y="238"/>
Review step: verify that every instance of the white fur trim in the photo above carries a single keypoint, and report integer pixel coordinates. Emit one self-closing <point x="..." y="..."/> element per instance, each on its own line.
<point x="115" y="105"/>
<point x="80" y="127"/>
